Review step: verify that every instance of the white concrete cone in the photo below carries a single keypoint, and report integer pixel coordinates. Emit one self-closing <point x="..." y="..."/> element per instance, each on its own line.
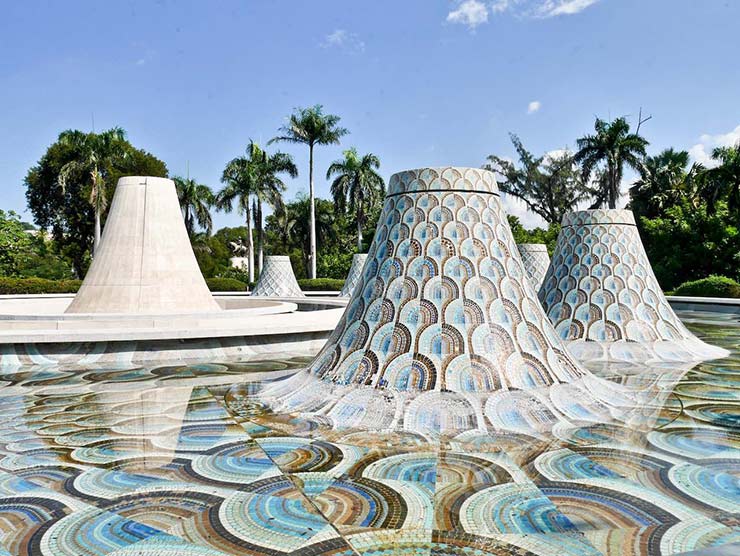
<point x="355" y="272"/>
<point x="536" y="261"/>
<point x="277" y="279"/>
<point x="145" y="263"/>
<point x="603" y="299"/>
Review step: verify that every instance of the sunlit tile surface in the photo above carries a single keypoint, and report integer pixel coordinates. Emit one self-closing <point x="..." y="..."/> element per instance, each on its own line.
<point x="180" y="461"/>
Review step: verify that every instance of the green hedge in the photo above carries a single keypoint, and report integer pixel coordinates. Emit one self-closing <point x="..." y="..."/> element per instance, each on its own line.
<point x="713" y="286"/>
<point x="225" y="285"/>
<point x="321" y="284"/>
<point x="15" y="286"/>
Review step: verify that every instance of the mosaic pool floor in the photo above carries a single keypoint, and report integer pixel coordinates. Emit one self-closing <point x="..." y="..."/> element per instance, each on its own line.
<point x="172" y="461"/>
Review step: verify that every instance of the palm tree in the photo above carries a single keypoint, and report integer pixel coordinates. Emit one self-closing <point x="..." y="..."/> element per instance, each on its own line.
<point x="284" y="222"/>
<point x="608" y="151"/>
<point x="240" y="183"/>
<point x="326" y="230"/>
<point x="196" y="201"/>
<point x="662" y="182"/>
<point x="269" y="187"/>
<point x="310" y="126"/>
<point x="357" y="185"/>
<point x="723" y="179"/>
<point x="100" y="152"/>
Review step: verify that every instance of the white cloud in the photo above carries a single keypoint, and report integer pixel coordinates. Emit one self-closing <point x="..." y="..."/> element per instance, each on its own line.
<point x="470" y="12"/>
<point x="702" y="151"/>
<point x="541" y="8"/>
<point x="534" y="106"/>
<point x="341" y="38"/>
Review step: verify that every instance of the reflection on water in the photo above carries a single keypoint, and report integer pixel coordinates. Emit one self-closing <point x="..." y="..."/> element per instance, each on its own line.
<point x="257" y="458"/>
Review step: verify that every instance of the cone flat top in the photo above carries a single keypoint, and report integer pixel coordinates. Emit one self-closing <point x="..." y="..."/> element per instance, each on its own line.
<point x="445" y="178"/>
<point x="599" y="216"/>
<point x="276" y="258"/>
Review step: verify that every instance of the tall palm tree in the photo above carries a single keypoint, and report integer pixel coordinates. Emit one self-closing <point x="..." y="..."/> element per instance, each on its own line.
<point x="357" y="186"/>
<point x="662" y="182"/>
<point x="269" y="187"/>
<point x="284" y="222"/>
<point x="196" y="201"/>
<point x="310" y="126"/>
<point x="723" y="179"/>
<point x="239" y="185"/>
<point x="608" y="150"/>
<point x="100" y="152"/>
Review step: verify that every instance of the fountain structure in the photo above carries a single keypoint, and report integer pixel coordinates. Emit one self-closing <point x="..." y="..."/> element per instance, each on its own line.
<point x="354" y="274"/>
<point x="536" y="261"/>
<point x="602" y="296"/>
<point x="277" y="279"/>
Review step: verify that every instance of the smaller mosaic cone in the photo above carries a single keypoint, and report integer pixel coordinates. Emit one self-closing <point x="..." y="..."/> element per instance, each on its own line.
<point x="277" y="279"/>
<point x="355" y="273"/>
<point x="536" y="261"/>
<point x="604" y="300"/>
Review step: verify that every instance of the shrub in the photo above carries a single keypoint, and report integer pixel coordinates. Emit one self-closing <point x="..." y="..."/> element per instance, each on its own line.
<point x="321" y="284"/>
<point x="225" y="285"/>
<point x="713" y="286"/>
<point x="16" y="286"/>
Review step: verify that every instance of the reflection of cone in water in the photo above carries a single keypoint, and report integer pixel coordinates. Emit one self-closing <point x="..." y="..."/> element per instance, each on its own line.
<point x="536" y="260"/>
<point x="354" y="275"/>
<point x="444" y="302"/>
<point x="277" y="279"/>
<point x="602" y="296"/>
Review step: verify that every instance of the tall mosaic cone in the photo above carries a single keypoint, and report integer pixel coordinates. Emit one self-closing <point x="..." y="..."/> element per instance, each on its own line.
<point x="444" y="302"/>
<point x="602" y="296"/>
<point x="277" y="279"/>
<point x="144" y="263"/>
<point x="354" y="275"/>
<point x="536" y="261"/>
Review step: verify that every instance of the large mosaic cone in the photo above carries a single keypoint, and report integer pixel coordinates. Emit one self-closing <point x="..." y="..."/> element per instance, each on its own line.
<point x="354" y="275"/>
<point x="602" y="296"/>
<point x="536" y="261"/>
<point x="144" y="263"/>
<point x="277" y="279"/>
<point x="444" y="302"/>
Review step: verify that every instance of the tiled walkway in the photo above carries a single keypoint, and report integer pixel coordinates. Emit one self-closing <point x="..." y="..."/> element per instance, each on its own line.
<point x="173" y="461"/>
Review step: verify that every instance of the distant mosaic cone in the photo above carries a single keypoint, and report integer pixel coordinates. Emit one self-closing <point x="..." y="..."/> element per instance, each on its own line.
<point x="536" y="260"/>
<point x="444" y="302"/>
<point x="602" y="296"/>
<point x="144" y="263"/>
<point x="277" y="279"/>
<point x="354" y="275"/>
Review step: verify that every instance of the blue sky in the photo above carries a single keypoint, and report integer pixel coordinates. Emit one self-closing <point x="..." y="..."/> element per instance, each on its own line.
<point x="417" y="82"/>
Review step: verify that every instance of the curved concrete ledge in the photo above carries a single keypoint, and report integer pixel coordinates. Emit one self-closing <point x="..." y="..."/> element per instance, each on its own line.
<point x="711" y="304"/>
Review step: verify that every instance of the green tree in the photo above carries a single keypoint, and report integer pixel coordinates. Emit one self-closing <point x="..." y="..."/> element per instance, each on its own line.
<point x="269" y="187"/>
<point x="16" y="244"/>
<point x="723" y="181"/>
<point x="357" y="186"/>
<point x="68" y="188"/>
<point x="196" y="201"/>
<point x="550" y="185"/>
<point x="239" y="181"/>
<point x="607" y="152"/>
<point x="310" y="126"/>
<point x="662" y="183"/>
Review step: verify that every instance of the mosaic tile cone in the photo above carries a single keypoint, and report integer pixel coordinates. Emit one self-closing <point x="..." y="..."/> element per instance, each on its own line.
<point x="354" y="275"/>
<point x="444" y="302"/>
<point x="602" y="296"/>
<point x="536" y="261"/>
<point x="144" y="263"/>
<point x="277" y="279"/>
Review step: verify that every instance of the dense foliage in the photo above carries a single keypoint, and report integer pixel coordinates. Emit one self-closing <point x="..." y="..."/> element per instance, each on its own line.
<point x="225" y="285"/>
<point x="23" y="286"/>
<point x="711" y="286"/>
<point x="321" y="284"/>
<point x="71" y="182"/>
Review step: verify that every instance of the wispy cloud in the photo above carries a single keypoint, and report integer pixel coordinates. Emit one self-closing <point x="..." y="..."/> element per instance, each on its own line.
<point x="470" y="13"/>
<point x="534" y="106"/>
<point x="702" y="151"/>
<point x="341" y="38"/>
<point x="473" y="13"/>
